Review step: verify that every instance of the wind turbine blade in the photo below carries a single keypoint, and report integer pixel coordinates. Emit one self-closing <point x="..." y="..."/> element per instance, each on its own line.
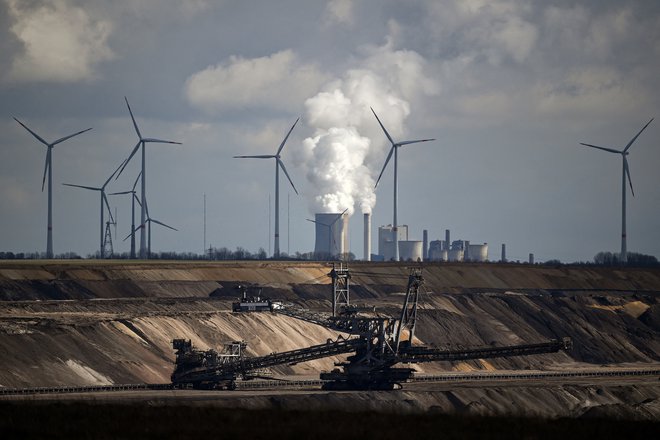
<point x="46" y="166"/>
<point x="260" y="156"/>
<point x="414" y="142"/>
<point x="382" y="126"/>
<point x="134" y="231"/>
<point x="120" y="193"/>
<point x="338" y="217"/>
<point x="287" y="175"/>
<point x="136" y="180"/>
<point x="81" y="186"/>
<point x="107" y="205"/>
<point x="637" y="135"/>
<point x="137" y="130"/>
<point x="389" y="156"/>
<point x="601" y="148"/>
<point x="146" y="208"/>
<point x="627" y="171"/>
<point x="160" y="141"/>
<point x="39" y="138"/>
<point x="129" y="159"/>
<point x="137" y="199"/>
<point x="112" y="175"/>
<point x="310" y="220"/>
<point x="286" y="137"/>
<point x="68" y="137"/>
<point x="162" y="224"/>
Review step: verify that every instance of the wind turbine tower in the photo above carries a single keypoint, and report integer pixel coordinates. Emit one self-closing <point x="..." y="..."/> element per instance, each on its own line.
<point x="133" y="200"/>
<point x="48" y="168"/>
<point x="394" y="150"/>
<point x="142" y="142"/>
<point x="278" y="164"/>
<point x="625" y="174"/>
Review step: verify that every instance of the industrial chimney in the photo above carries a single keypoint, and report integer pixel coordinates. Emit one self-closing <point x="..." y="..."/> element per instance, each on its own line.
<point x="425" y="245"/>
<point x="447" y="241"/>
<point x="367" y="236"/>
<point x="503" y="259"/>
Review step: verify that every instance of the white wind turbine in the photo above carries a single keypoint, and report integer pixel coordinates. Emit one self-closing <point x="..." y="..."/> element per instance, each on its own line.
<point x="278" y="164"/>
<point x="104" y="201"/>
<point x="48" y="168"/>
<point x="625" y="174"/>
<point x="142" y="142"/>
<point x="394" y="150"/>
<point x="134" y="198"/>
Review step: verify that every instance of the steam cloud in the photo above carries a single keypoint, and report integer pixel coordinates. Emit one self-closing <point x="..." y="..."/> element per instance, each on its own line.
<point x="348" y="147"/>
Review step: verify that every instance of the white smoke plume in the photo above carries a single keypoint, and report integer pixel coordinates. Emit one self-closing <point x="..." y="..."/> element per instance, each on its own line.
<point x="348" y="147"/>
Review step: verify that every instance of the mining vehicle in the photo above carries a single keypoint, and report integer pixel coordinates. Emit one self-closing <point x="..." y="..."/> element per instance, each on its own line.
<point x="377" y="345"/>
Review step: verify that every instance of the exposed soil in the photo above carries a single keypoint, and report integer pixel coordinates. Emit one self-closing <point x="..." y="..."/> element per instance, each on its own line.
<point x="86" y="323"/>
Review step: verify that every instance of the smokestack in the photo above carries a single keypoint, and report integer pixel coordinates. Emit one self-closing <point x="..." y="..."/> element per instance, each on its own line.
<point x="531" y="258"/>
<point x="466" y="251"/>
<point x="425" y="244"/>
<point x="367" y="236"/>
<point x="503" y="259"/>
<point x="447" y="242"/>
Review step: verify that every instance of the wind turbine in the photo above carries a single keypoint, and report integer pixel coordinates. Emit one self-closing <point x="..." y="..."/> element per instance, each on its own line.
<point x="278" y="164"/>
<point x="394" y="150"/>
<point x="142" y="142"/>
<point x="133" y="199"/>
<point x="150" y="221"/>
<point x="48" y="168"/>
<point x="625" y="173"/>
<point x="331" y="237"/>
<point x="104" y="201"/>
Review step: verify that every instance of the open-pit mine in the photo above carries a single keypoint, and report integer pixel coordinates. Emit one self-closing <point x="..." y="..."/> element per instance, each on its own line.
<point x="68" y="328"/>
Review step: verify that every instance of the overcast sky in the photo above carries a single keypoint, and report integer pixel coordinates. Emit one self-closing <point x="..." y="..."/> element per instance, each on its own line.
<point x="508" y="89"/>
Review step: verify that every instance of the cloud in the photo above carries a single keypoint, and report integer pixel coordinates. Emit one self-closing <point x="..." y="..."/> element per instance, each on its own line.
<point x="497" y="30"/>
<point x="278" y="81"/>
<point x="61" y="42"/>
<point x="339" y="12"/>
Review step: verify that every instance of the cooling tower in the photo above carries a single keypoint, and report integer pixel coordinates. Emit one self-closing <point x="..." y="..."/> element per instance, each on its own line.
<point x="367" y="236"/>
<point x="478" y="252"/>
<point x="455" y="255"/>
<point x="410" y="250"/>
<point x="331" y="235"/>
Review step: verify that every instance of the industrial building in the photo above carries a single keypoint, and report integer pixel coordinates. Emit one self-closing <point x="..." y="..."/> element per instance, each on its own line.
<point x="386" y="240"/>
<point x="457" y="250"/>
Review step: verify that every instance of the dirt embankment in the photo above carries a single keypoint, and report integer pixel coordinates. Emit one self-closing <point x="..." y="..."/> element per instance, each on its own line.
<point x="116" y="279"/>
<point x="94" y="323"/>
